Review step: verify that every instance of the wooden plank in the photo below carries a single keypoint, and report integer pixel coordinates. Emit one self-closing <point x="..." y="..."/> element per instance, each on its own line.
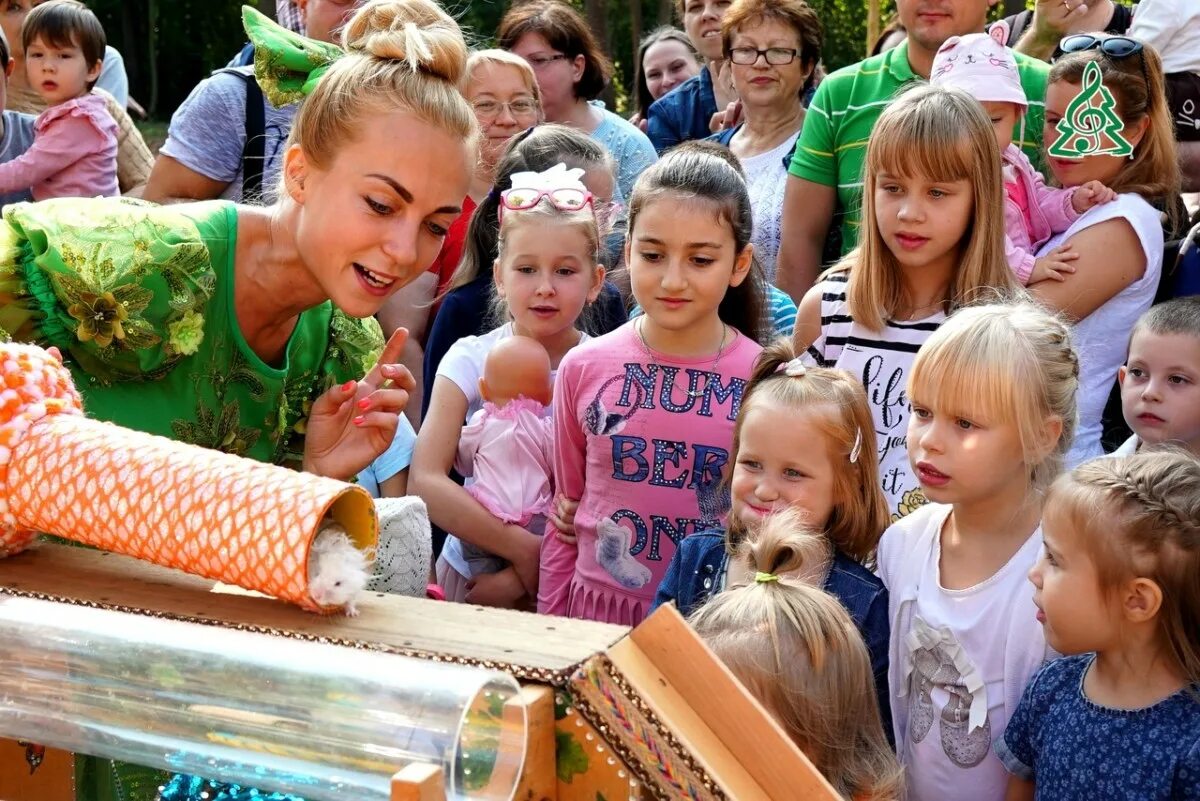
<point x="730" y="733"/>
<point x="539" y="779"/>
<point x="532" y="647"/>
<point x="419" y="782"/>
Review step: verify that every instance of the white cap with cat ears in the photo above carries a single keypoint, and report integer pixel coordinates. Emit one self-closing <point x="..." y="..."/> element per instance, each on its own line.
<point x="980" y="65"/>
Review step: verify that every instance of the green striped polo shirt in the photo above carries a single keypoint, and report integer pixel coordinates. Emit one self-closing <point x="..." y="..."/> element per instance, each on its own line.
<point x="833" y="142"/>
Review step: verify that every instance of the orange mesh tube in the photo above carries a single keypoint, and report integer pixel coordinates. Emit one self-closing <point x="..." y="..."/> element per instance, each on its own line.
<point x="201" y="511"/>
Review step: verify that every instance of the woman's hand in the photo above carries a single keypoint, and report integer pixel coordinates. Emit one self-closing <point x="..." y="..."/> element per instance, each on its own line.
<point x="526" y="560"/>
<point x="353" y="424"/>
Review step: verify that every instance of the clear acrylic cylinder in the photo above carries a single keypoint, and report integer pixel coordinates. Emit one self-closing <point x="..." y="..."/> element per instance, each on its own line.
<point x="326" y="722"/>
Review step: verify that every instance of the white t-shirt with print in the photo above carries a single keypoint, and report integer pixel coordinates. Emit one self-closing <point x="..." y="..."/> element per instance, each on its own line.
<point x="958" y="653"/>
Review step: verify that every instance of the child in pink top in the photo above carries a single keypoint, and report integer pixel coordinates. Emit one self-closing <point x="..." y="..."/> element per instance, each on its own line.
<point x="984" y="68"/>
<point x="644" y="416"/>
<point x="74" y="152"/>
<point x="507" y="447"/>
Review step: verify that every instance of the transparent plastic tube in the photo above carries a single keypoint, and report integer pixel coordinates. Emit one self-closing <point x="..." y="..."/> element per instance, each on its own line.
<point x="325" y="722"/>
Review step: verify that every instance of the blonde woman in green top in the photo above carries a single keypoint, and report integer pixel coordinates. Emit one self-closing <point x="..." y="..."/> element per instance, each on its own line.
<point x="245" y="329"/>
<point x="250" y="330"/>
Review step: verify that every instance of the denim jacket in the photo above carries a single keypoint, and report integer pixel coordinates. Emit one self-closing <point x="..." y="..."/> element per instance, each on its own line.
<point x="683" y="114"/>
<point x="697" y="572"/>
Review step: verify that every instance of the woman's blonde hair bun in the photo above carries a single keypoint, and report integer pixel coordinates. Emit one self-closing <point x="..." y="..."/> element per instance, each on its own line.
<point x="418" y="32"/>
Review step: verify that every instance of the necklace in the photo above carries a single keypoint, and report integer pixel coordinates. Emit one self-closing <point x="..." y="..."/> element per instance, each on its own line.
<point x="692" y="394"/>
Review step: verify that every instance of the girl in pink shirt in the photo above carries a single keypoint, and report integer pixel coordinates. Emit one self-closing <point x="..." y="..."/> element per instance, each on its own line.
<point x="74" y="152"/>
<point x="643" y="417"/>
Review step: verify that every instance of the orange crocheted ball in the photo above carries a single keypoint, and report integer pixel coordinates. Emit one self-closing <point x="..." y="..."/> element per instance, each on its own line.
<point x="33" y="384"/>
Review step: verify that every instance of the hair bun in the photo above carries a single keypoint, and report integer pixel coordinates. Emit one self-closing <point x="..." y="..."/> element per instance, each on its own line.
<point x="418" y="32"/>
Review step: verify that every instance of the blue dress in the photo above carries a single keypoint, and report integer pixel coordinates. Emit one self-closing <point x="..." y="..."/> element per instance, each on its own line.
<point x="1073" y="748"/>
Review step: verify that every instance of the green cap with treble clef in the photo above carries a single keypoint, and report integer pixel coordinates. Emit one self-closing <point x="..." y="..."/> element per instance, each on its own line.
<point x="1090" y="126"/>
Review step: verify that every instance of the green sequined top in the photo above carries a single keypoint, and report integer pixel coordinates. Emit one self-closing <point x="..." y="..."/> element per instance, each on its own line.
<point x="139" y="298"/>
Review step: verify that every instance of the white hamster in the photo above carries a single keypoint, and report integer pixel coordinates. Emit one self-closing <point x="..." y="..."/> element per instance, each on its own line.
<point x="337" y="571"/>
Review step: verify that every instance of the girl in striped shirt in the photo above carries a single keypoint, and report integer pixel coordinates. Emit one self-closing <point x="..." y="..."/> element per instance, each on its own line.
<point x="933" y="213"/>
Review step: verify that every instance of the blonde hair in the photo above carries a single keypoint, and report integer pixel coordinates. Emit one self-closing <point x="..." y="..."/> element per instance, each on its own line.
<point x="1140" y="516"/>
<point x="860" y="511"/>
<point x="1140" y="91"/>
<point x="1009" y="364"/>
<point x="941" y="134"/>
<point x="401" y="55"/>
<point x="503" y="58"/>
<point x="543" y="215"/>
<point x="797" y="651"/>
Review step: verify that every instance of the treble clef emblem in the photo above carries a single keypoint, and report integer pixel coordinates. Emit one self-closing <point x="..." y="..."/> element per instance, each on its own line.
<point x="1090" y="126"/>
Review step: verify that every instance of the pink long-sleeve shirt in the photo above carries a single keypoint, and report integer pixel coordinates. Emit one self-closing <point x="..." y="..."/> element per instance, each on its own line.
<point x="642" y="441"/>
<point x="74" y="153"/>
<point x="1046" y="211"/>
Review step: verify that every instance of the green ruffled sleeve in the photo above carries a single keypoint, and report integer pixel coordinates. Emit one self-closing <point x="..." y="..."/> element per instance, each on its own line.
<point x="111" y="282"/>
<point x="353" y="347"/>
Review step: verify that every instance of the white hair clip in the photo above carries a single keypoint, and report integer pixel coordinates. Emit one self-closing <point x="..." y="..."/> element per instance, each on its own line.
<point x="795" y="368"/>
<point x="557" y="177"/>
<point x="857" y="449"/>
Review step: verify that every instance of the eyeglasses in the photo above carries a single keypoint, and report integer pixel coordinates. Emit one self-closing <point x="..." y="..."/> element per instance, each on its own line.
<point x="537" y="62"/>
<point x="562" y="199"/>
<point x="1115" y="47"/>
<point x="521" y="107"/>
<point x="776" y="56"/>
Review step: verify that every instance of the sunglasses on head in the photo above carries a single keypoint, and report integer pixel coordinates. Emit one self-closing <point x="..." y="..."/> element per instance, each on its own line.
<point x="1115" y="47"/>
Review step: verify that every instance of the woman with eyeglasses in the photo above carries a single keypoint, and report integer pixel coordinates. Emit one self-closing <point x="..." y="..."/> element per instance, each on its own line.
<point x="1119" y="245"/>
<point x="773" y="47"/>
<point x="571" y="72"/>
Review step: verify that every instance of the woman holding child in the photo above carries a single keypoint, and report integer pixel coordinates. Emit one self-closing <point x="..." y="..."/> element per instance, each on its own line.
<point x="1118" y="246"/>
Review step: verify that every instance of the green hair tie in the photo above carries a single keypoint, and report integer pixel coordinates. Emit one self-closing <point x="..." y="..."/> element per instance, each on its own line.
<point x="763" y="578"/>
<point x="286" y="64"/>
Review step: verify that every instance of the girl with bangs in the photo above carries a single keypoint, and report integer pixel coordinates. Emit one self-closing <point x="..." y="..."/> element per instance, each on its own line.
<point x="993" y="414"/>
<point x="930" y="245"/>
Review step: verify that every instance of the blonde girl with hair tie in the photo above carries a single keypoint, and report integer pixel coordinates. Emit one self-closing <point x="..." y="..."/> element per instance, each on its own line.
<point x="796" y="650"/>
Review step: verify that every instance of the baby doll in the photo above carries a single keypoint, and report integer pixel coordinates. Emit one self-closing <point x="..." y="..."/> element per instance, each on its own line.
<point x="507" y="446"/>
<point x="984" y="68"/>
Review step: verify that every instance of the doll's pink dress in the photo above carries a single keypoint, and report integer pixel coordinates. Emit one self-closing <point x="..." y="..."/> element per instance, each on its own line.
<point x="509" y="452"/>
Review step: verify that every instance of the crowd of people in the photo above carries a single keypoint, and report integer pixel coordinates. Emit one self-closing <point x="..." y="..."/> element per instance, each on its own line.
<point x="875" y="375"/>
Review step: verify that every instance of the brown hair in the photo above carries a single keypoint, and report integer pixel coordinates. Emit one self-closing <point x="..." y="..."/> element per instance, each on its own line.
<point x="663" y="33"/>
<point x="797" y="14"/>
<point x="1004" y="363"/>
<point x="797" y="651"/>
<point x="566" y="31"/>
<point x="1140" y="92"/>
<point x="1140" y="516"/>
<point x="707" y="173"/>
<point x="406" y="55"/>
<point x="66" y="23"/>
<point x="944" y="135"/>
<point x="860" y="511"/>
